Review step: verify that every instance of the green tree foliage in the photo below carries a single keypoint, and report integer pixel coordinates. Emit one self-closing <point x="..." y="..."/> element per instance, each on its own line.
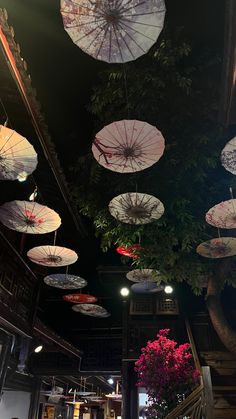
<point x="174" y="87"/>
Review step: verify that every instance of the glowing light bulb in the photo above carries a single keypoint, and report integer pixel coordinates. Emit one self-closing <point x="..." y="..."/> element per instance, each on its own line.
<point x="22" y="176"/>
<point x="124" y="292"/>
<point x="168" y="289"/>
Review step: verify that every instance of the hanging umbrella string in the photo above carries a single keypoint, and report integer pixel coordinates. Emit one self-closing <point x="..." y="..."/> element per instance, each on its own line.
<point x="232" y="197"/>
<point x="5" y="112"/>
<point x="219" y="233"/>
<point x="55" y="237"/>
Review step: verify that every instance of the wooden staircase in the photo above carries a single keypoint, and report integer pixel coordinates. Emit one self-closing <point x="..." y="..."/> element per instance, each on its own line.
<point x="223" y="374"/>
<point x="222" y="364"/>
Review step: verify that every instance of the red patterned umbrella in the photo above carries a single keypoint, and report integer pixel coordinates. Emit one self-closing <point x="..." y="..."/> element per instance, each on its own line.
<point x="128" y="146"/>
<point x="223" y="215"/>
<point x="80" y="298"/>
<point x="218" y="248"/>
<point x="17" y="155"/>
<point x="52" y="256"/>
<point x="113" y="31"/>
<point x="29" y="217"/>
<point x="130" y="251"/>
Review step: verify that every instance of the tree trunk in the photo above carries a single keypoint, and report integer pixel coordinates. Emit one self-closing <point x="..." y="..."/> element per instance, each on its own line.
<point x="213" y="301"/>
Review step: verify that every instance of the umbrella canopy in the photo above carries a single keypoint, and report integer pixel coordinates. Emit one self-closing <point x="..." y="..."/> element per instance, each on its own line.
<point x="228" y="156"/>
<point x="29" y="217"/>
<point x="146" y="287"/>
<point x="92" y="310"/>
<point x="218" y="248"/>
<point x="128" y="146"/>
<point x="223" y="215"/>
<point x="80" y="298"/>
<point x="136" y="208"/>
<point x="52" y="256"/>
<point x="17" y="155"/>
<point x="130" y="251"/>
<point x="143" y="275"/>
<point x="113" y="31"/>
<point x="65" y="281"/>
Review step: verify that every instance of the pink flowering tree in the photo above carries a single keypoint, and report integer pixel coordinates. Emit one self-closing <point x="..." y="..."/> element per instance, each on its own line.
<point x="167" y="372"/>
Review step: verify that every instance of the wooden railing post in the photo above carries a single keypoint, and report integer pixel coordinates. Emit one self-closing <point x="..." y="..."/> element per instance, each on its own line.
<point x="208" y="393"/>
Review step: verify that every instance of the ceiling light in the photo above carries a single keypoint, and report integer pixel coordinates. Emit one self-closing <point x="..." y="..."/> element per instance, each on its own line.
<point x="124" y="292"/>
<point x="168" y="289"/>
<point x="22" y="176"/>
<point x="38" y="349"/>
<point x="110" y="381"/>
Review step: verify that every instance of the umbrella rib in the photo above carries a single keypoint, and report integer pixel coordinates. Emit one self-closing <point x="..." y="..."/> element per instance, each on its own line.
<point x="136" y="31"/>
<point x="125" y="30"/>
<point x="78" y="25"/>
<point x="101" y="27"/>
<point x="8" y="139"/>
<point x="103" y="39"/>
<point x="117" y="41"/>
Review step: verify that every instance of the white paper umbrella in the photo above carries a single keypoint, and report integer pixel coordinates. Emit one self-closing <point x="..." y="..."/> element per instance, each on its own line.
<point x="92" y="310"/>
<point x="29" y="217"/>
<point x="223" y="215"/>
<point x="115" y="31"/>
<point x="218" y="248"/>
<point x="143" y="275"/>
<point x="17" y="155"/>
<point x="136" y="208"/>
<point x="52" y="256"/>
<point x="128" y="146"/>
<point x="65" y="281"/>
<point x="228" y="156"/>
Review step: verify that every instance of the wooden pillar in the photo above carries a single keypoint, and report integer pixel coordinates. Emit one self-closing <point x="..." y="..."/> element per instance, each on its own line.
<point x="125" y="364"/>
<point x="6" y="345"/>
<point x="35" y="399"/>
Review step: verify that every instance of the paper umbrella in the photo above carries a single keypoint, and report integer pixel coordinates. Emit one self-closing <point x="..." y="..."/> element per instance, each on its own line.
<point x="52" y="256"/>
<point x="223" y="215"/>
<point x="218" y="248"/>
<point x="130" y="251"/>
<point x="80" y="298"/>
<point x="92" y="310"/>
<point x="136" y="208"/>
<point x="228" y="156"/>
<point x="29" y="217"/>
<point x="113" y="31"/>
<point x="128" y="146"/>
<point x="65" y="281"/>
<point x="17" y="155"/>
<point x="143" y="275"/>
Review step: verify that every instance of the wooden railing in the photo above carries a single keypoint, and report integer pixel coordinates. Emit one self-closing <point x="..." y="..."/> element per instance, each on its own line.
<point x="199" y="403"/>
<point x="191" y="407"/>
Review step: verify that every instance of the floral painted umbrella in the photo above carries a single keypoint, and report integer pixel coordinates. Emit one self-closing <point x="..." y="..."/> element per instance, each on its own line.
<point x="92" y="310"/>
<point x="65" y="281"/>
<point x="52" y="256"/>
<point x="29" y="217"/>
<point x="128" y="146"/>
<point x="136" y="208"/>
<point x="17" y="155"/>
<point x="223" y="215"/>
<point x="113" y="31"/>
<point x="80" y="298"/>
<point x="218" y="248"/>
<point x="130" y="251"/>
<point x="143" y="275"/>
<point x="146" y="287"/>
<point x="228" y="156"/>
